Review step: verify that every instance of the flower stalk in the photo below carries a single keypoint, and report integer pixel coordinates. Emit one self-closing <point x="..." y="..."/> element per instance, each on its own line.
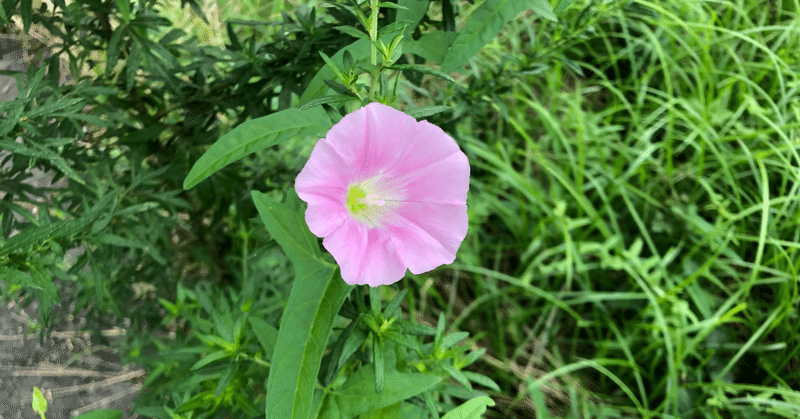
<point x="373" y="36"/>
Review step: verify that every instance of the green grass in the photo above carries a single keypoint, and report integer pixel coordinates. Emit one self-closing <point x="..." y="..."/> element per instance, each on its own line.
<point x="633" y="247"/>
<point x="634" y="232"/>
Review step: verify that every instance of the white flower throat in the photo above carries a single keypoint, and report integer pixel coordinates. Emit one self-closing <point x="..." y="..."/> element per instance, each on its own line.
<point x="372" y="201"/>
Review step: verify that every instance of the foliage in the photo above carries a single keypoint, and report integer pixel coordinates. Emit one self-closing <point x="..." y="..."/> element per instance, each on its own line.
<point x="632" y="250"/>
<point x="634" y="244"/>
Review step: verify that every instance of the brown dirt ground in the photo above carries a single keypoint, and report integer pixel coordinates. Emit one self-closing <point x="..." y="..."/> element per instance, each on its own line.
<point x="74" y="374"/>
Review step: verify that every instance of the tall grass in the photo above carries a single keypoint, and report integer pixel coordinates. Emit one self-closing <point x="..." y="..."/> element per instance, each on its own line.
<point x="635" y="213"/>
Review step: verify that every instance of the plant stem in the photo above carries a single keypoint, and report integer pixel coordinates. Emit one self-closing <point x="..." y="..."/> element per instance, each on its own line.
<point x="373" y="36"/>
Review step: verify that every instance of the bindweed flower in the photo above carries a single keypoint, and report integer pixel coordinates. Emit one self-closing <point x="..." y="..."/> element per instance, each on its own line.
<point x="387" y="193"/>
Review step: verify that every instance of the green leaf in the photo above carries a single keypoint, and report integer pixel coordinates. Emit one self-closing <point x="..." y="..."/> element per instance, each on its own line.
<point x="416" y="329"/>
<point x="481" y="379"/>
<point x="71" y="104"/>
<point x="412" y="411"/>
<point x="484" y="25"/>
<point x="359" y="49"/>
<point x="357" y="395"/>
<point x="375" y="301"/>
<point x="119" y="241"/>
<point x="393" y="308"/>
<point x="152" y="412"/>
<point x="352" y="344"/>
<point x="285" y="221"/>
<point x="16" y="277"/>
<point x="101" y="414"/>
<point x="440" y="326"/>
<point x="339" y="74"/>
<point x="214" y="356"/>
<point x="352" y="31"/>
<point x="114" y="46"/>
<point x="543" y="9"/>
<point x="195" y="8"/>
<point x="12" y="116"/>
<point x="432" y="46"/>
<point x="425" y="111"/>
<point x="4" y="17"/>
<point x="412" y="11"/>
<point x="44" y="153"/>
<point x="453" y="338"/>
<point x="55" y="230"/>
<point x="266" y="334"/>
<point x="94" y="120"/>
<point x="377" y="363"/>
<point x="328" y="408"/>
<point x="539" y="404"/>
<point x="471" y="409"/>
<point x="255" y="135"/>
<point x="390" y="5"/>
<point x="388" y="412"/>
<point x="563" y="4"/>
<point x="339" y="88"/>
<point x="331" y="363"/>
<point x="133" y="62"/>
<point x="457" y="375"/>
<point x="425" y="70"/>
<point x="237" y="46"/>
<point x="316" y="297"/>
<point x="472" y="357"/>
<point x="394" y="27"/>
<point x="333" y="100"/>
<point x="226" y="378"/>
<point x="26" y="12"/>
<point x="39" y="403"/>
<point x="124" y="7"/>
<point x="242" y="401"/>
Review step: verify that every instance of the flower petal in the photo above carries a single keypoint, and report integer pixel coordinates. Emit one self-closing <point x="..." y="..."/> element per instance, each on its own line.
<point x="365" y="256"/>
<point x="414" y="166"/>
<point x="428" y="147"/>
<point x="322" y="184"/>
<point x="429" y="235"/>
<point x="371" y="139"/>
<point x="446" y="181"/>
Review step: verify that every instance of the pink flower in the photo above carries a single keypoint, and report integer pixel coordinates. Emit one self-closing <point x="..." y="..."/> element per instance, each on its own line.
<point x="387" y="193"/>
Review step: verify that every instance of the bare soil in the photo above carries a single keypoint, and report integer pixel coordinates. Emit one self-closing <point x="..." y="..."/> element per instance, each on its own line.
<point x="74" y="374"/>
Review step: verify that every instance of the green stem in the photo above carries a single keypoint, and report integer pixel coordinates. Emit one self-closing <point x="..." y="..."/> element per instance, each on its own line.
<point x="373" y="35"/>
<point x="255" y="359"/>
<point x="245" y="239"/>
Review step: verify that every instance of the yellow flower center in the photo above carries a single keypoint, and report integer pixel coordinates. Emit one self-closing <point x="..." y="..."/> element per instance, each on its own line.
<point x="370" y="202"/>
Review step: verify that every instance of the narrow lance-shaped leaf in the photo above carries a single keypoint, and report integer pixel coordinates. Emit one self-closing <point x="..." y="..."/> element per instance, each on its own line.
<point x="359" y="49"/>
<point x="484" y="25"/>
<point x="471" y="409"/>
<point x="432" y="46"/>
<point x="266" y="334"/>
<point x="26" y="10"/>
<point x="253" y="136"/>
<point x="101" y="414"/>
<point x="57" y="229"/>
<point x="377" y="363"/>
<point x="315" y="299"/>
<point x="357" y="395"/>
<point x="39" y="403"/>
<point x="412" y="11"/>
<point x="544" y="9"/>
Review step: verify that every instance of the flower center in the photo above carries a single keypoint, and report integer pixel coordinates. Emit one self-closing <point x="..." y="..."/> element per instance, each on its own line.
<point x="370" y="203"/>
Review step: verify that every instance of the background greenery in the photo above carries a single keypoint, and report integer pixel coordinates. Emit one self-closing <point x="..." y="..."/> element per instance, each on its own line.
<point x="633" y="203"/>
